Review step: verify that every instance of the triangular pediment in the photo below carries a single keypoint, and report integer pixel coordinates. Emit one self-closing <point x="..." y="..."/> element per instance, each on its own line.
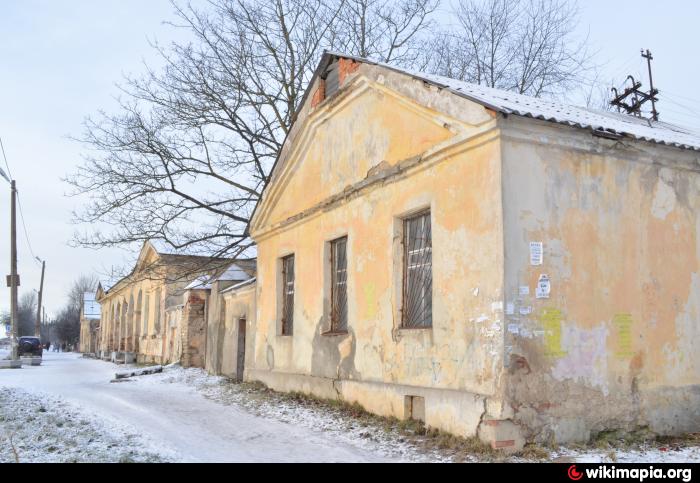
<point x="369" y="127"/>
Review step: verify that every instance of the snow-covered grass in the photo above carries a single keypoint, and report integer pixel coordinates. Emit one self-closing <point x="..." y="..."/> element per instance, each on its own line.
<point x="403" y="441"/>
<point x="46" y="429"/>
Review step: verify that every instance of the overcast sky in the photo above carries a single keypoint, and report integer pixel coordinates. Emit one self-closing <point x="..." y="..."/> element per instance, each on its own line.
<point x="59" y="60"/>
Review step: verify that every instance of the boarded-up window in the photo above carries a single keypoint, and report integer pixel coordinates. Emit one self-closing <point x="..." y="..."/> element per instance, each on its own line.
<point x="287" y="295"/>
<point x="339" y="285"/>
<point x="417" y="274"/>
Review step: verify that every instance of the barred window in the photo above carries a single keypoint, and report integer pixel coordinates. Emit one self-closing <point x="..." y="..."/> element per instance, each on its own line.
<point x="339" y="285"/>
<point x="417" y="273"/>
<point x="288" y="295"/>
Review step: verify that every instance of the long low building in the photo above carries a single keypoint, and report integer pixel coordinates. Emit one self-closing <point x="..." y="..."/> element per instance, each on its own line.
<point x="157" y="314"/>
<point x="492" y="264"/>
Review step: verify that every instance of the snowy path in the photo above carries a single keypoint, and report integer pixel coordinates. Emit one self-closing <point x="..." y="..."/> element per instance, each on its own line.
<point x="176" y="421"/>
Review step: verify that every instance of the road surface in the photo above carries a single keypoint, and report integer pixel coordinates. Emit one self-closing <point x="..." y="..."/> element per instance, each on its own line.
<point x="176" y="420"/>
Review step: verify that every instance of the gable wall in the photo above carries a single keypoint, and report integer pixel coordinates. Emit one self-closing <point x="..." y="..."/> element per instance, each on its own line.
<point x="456" y="365"/>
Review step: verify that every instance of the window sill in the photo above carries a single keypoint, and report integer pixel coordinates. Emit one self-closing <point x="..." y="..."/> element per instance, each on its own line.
<point x="335" y="333"/>
<point x="415" y="329"/>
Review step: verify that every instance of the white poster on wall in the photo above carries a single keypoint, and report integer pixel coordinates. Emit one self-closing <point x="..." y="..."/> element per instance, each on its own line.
<point x="536" y="254"/>
<point x="544" y="287"/>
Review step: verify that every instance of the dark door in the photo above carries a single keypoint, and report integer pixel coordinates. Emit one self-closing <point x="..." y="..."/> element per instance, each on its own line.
<point x="240" y="362"/>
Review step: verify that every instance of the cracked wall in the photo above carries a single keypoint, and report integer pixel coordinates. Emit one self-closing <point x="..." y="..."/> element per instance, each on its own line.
<point x="611" y="346"/>
<point x="356" y="166"/>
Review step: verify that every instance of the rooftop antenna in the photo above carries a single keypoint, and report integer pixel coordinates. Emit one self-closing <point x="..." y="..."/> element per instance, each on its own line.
<point x="632" y="99"/>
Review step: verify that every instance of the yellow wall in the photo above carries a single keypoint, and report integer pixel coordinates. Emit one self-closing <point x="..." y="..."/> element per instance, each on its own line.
<point x="613" y="346"/>
<point x="458" y="178"/>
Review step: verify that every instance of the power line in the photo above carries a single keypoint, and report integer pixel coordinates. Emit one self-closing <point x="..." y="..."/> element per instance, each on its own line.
<point x="7" y="176"/>
<point x="24" y="226"/>
<point x="2" y="146"/>
<point x="19" y="204"/>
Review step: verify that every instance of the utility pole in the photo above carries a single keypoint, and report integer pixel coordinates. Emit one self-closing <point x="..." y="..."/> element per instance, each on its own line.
<point x="649" y="58"/>
<point x="13" y="279"/>
<point x="37" y="326"/>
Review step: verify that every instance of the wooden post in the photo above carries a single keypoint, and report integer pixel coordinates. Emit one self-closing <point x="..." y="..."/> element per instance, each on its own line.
<point x="14" y="278"/>
<point x="37" y="327"/>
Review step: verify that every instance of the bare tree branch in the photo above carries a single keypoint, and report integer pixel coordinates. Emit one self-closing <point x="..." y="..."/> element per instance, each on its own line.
<point x="185" y="158"/>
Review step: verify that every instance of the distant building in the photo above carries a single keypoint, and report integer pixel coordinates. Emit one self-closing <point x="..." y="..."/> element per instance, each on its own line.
<point x="150" y="316"/>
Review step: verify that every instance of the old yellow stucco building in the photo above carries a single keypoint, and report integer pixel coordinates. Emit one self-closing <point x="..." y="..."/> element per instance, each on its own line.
<point x="155" y="314"/>
<point x="492" y="264"/>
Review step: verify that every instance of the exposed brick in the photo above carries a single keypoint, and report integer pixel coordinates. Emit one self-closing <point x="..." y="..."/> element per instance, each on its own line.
<point x="345" y="68"/>
<point x="319" y="94"/>
<point x="503" y="444"/>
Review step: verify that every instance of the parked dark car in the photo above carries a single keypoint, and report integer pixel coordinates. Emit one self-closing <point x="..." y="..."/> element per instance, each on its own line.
<point x="30" y="346"/>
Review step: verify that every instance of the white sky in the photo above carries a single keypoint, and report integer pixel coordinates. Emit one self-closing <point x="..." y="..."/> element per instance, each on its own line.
<point x="59" y="61"/>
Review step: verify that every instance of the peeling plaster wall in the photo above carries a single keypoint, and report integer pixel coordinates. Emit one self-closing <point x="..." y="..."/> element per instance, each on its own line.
<point x="224" y="310"/>
<point x="240" y="304"/>
<point x="612" y="347"/>
<point x="397" y="156"/>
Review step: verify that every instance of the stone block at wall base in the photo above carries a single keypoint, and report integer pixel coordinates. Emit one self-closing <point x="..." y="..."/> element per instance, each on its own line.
<point x="502" y="435"/>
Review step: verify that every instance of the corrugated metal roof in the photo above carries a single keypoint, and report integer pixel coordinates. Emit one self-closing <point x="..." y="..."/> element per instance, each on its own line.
<point x="512" y="103"/>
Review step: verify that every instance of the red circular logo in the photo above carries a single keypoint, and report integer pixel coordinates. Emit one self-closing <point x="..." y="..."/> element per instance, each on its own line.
<point x="575" y="474"/>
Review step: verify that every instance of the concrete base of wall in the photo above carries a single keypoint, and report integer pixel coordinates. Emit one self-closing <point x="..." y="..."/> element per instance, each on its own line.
<point x="149" y="359"/>
<point x="10" y="364"/>
<point x="456" y="412"/>
<point x="129" y="357"/>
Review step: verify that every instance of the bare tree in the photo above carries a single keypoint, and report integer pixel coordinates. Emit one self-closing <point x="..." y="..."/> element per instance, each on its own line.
<point x="26" y="314"/>
<point x="527" y="46"/>
<point x="187" y="155"/>
<point x="385" y="30"/>
<point x="65" y="328"/>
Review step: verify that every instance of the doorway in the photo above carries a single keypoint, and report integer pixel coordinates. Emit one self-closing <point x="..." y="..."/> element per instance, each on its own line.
<point x="240" y="361"/>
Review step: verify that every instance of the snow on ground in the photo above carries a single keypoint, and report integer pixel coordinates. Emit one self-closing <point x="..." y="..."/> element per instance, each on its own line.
<point x="174" y="420"/>
<point x="646" y="453"/>
<point x="49" y="430"/>
<point x="387" y="443"/>
<point x="185" y="415"/>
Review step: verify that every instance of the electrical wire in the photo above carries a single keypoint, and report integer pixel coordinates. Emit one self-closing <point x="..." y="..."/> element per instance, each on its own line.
<point x="8" y="176"/>
<point x="19" y="204"/>
<point x="26" y="233"/>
